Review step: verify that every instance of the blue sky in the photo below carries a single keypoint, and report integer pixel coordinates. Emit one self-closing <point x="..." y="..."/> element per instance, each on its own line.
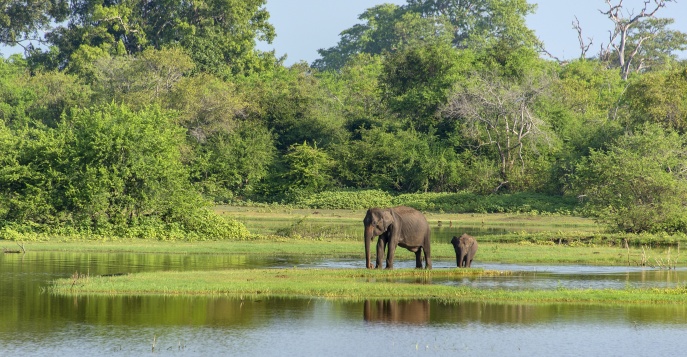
<point x="304" y="26"/>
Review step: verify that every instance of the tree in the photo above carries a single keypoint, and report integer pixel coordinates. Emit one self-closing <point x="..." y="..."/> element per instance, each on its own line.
<point x="295" y="107"/>
<point x="478" y="24"/>
<point x="638" y="184"/>
<point x="23" y="21"/>
<point x="357" y="92"/>
<point x="659" y="97"/>
<point x="231" y="163"/>
<point x="638" y="39"/>
<point x="391" y="160"/>
<point x="499" y="112"/>
<point x="123" y="166"/>
<point x="206" y="105"/>
<point x="474" y="24"/>
<point x="137" y="81"/>
<point x="40" y="99"/>
<point x="373" y="36"/>
<point x="416" y="81"/>
<point x="219" y="36"/>
<point x="308" y="169"/>
<point x="99" y="167"/>
<point x="583" y="110"/>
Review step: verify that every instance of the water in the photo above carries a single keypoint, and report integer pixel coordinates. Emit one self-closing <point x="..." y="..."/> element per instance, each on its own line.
<point x="34" y="322"/>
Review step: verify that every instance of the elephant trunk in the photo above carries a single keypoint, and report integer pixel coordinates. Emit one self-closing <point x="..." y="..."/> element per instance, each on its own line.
<point x="369" y="231"/>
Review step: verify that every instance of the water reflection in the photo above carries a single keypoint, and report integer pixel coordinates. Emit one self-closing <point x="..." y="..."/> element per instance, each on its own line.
<point x="34" y="322"/>
<point x="414" y="312"/>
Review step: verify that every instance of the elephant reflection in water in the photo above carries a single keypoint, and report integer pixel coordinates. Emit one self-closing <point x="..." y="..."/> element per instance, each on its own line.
<point x="414" y="312"/>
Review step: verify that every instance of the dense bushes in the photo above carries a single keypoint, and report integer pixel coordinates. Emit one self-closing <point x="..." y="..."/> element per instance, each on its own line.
<point x="347" y="200"/>
<point x="104" y="171"/>
<point x="462" y="202"/>
<point x="133" y="134"/>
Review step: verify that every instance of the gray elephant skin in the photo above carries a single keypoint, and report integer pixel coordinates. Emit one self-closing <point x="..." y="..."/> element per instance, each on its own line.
<point x="466" y="248"/>
<point x="397" y="226"/>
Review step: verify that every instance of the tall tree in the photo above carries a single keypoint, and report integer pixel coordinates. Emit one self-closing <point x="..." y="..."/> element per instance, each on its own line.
<point x="497" y="112"/>
<point x="416" y="81"/>
<point x="477" y="23"/>
<point x="219" y="35"/>
<point x="633" y="32"/>
<point x="21" y="22"/>
<point x="473" y="24"/>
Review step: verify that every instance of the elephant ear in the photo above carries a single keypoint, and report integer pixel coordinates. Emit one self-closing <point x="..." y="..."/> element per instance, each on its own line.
<point x="387" y="219"/>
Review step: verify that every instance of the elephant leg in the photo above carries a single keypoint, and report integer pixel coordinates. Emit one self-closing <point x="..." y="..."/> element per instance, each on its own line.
<point x="418" y="258"/>
<point x="391" y="251"/>
<point x="428" y="258"/>
<point x="381" y="244"/>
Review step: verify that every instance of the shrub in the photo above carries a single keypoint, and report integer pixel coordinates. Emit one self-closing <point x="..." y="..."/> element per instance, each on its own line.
<point x="347" y="199"/>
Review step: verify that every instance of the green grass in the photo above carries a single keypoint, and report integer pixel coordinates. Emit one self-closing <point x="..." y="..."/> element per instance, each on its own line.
<point x="349" y="284"/>
<point x="348" y="224"/>
<point x="292" y="232"/>
<point x="523" y="252"/>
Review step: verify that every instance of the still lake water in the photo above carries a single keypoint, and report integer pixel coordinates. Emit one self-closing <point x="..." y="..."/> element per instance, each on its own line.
<point x="36" y="323"/>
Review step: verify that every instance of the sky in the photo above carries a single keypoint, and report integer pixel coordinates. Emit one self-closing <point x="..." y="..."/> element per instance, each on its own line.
<point x="304" y="26"/>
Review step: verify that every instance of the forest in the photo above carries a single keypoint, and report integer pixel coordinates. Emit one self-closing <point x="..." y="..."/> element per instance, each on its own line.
<point x="131" y="118"/>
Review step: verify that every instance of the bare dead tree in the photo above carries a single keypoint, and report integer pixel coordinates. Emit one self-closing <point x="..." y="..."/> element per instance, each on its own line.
<point x="498" y="112"/>
<point x="618" y="37"/>
<point x="583" y="47"/>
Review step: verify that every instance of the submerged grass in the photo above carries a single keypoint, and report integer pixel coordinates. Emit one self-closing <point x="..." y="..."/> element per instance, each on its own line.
<point x="349" y="284"/>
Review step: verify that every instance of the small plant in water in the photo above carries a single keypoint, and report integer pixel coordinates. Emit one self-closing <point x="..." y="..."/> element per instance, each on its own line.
<point x="76" y="277"/>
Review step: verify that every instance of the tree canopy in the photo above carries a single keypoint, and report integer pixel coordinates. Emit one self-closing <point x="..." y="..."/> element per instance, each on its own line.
<point x="219" y="36"/>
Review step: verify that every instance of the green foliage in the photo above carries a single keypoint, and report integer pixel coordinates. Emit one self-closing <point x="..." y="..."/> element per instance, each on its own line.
<point x="233" y="163"/>
<point x="586" y="97"/>
<point x="353" y="199"/>
<point x="461" y="202"/>
<point x="295" y="106"/>
<point x="498" y="113"/>
<point x="417" y="81"/>
<point x="219" y="36"/>
<point x="135" y="113"/>
<point x="464" y="202"/>
<point x="480" y="23"/>
<point x="641" y="42"/>
<point x="659" y="97"/>
<point x="107" y="171"/>
<point x="309" y="168"/>
<point x="19" y="20"/>
<point x="390" y="161"/>
<point x="375" y="35"/>
<point x="638" y="184"/>
<point x="388" y="28"/>
<point x="357" y="89"/>
<point x="206" y="105"/>
<point x="140" y="80"/>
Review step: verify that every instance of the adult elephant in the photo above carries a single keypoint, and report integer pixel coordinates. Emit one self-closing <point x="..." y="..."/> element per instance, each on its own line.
<point x="398" y="226"/>
<point x="466" y="248"/>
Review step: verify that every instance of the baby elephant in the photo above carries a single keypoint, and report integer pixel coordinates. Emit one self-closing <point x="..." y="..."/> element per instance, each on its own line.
<point x="466" y="248"/>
